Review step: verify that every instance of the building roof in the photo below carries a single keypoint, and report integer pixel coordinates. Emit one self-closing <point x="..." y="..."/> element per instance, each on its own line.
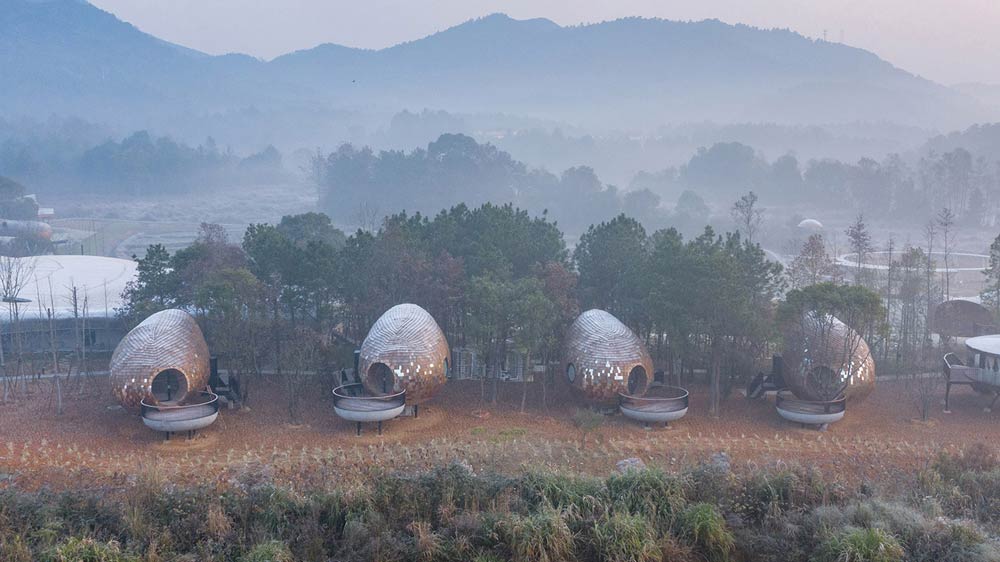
<point x="961" y="318"/>
<point x="99" y="280"/>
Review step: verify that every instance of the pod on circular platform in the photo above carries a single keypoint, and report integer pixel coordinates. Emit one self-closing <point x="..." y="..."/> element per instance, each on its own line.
<point x="826" y="360"/>
<point x="405" y="350"/>
<point x="162" y="361"/>
<point x="603" y="358"/>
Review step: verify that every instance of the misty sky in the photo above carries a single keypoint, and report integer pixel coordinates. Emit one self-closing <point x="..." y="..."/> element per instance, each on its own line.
<point x="945" y="40"/>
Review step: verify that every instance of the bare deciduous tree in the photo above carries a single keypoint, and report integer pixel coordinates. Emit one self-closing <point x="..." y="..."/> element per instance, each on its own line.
<point x="946" y="220"/>
<point x="923" y="388"/>
<point x="15" y="273"/>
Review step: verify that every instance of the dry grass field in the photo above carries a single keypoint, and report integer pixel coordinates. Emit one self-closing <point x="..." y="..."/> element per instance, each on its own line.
<point x="96" y="443"/>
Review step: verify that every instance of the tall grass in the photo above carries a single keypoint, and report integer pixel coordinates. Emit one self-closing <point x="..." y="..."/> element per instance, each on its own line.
<point x="702" y="525"/>
<point x="449" y="514"/>
<point x="861" y="545"/>
<point x="625" y="538"/>
<point x="543" y="536"/>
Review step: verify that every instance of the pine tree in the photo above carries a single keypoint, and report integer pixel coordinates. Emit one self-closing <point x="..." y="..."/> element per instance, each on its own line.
<point x="861" y="244"/>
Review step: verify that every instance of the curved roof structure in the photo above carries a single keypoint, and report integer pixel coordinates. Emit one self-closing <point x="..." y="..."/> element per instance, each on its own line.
<point x="168" y="343"/>
<point x="961" y="318"/>
<point x="811" y="224"/>
<point x="602" y="357"/>
<point x="825" y="359"/>
<point x="99" y="280"/>
<point x="405" y="350"/>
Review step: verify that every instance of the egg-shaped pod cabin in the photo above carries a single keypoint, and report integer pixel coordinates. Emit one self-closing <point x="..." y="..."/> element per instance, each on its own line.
<point x="827" y="365"/>
<point x="606" y="362"/>
<point x="404" y="360"/>
<point x="160" y="370"/>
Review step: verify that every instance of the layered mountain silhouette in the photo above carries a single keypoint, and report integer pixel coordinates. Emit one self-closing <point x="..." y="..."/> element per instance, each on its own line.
<point x="69" y="57"/>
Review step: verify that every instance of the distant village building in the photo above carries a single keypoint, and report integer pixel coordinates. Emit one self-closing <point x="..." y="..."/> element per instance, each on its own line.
<point x="69" y="302"/>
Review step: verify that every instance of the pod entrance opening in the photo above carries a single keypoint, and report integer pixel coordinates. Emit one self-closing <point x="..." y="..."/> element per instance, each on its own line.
<point x="637" y="381"/>
<point x="169" y="386"/>
<point x="382" y="378"/>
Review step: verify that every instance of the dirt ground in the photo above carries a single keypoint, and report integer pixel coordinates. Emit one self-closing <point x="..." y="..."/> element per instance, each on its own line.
<point x="96" y="443"/>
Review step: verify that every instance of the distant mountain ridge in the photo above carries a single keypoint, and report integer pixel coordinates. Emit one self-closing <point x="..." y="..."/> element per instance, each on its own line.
<point x="69" y="57"/>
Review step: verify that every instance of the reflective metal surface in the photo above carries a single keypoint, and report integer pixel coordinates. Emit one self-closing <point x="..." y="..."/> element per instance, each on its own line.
<point x="405" y="350"/>
<point x="200" y="413"/>
<point x="826" y="360"/>
<point x="809" y="412"/>
<point x="661" y="405"/>
<point x="601" y="353"/>
<point x="168" y="343"/>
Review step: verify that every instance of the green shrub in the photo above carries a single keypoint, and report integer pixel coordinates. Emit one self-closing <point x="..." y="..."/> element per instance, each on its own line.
<point x="15" y="549"/>
<point x="561" y="491"/>
<point x="704" y="527"/>
<point x="765" y="496"/>
<point x="83" y="513"/>
<point x="975" y="458"/>
<point x="89" y="550"/>
<point x="625" y="538"/>
<point x="710" y="484"/>
<point x="649" y="493"/>
<point x="769" y="495"/>
<point x="587" y="421"/>
<point x="426" y="542"/>
<point x="981" y="490"/>
<point x="271" y="551"/>
<point x="861" y="545"/>
<point x="543" y="536"/>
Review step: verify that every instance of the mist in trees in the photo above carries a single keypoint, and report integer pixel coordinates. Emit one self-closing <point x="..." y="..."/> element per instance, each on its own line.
<point x="75" y="155"/>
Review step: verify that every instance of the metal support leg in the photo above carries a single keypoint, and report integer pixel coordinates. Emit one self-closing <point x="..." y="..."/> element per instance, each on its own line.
<point x="947" y="395"/>
<point x="168" y="436"/>
<point x="380" y="427"/>
<point x="359" y="428"/>
<point x="416" y="410"/>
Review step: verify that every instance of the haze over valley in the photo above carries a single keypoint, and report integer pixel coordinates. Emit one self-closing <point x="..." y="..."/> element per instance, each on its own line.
<point x="518" y="281"/>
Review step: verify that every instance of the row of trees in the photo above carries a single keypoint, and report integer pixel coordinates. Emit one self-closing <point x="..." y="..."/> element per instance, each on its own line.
<point x="495" y="278"/>
<point x="140" y="163"/>
<point x="966" y="183"/>
<point x="355" y="182"/>
<point x="453" y="169"/>
<point x="912" y="278"/>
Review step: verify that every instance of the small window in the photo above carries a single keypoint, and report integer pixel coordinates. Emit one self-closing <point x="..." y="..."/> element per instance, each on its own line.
<point x="571" y="373"/>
